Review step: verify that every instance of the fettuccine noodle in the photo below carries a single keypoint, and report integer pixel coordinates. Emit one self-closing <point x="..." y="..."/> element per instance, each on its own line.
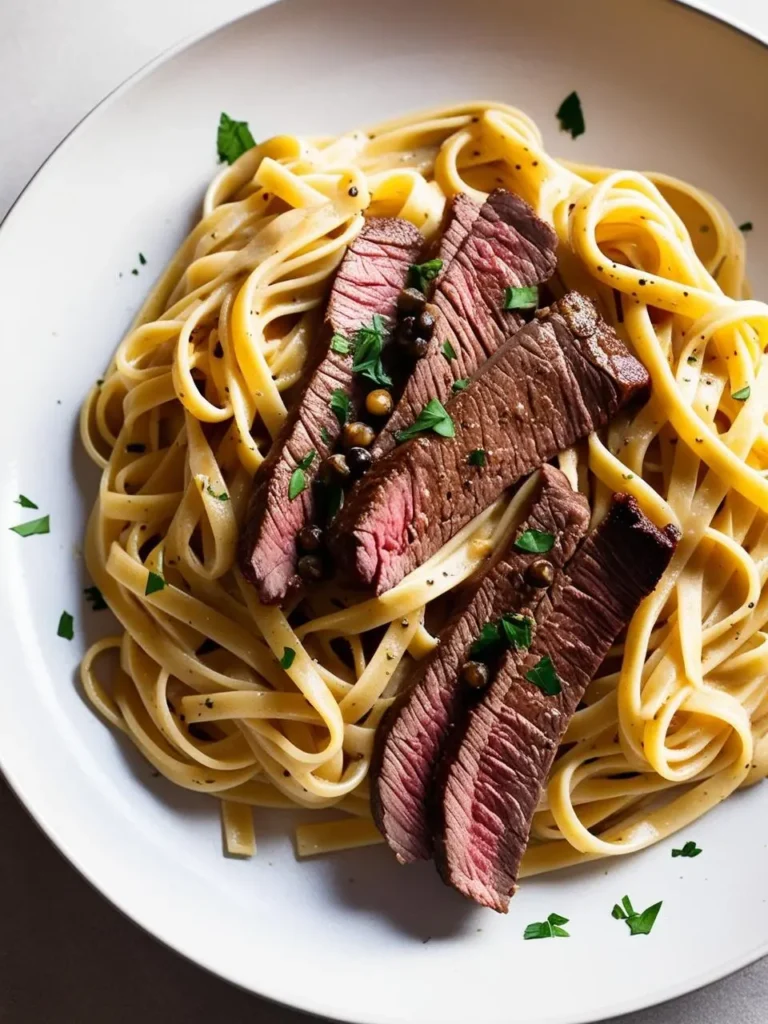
<point x="187" y="410"/>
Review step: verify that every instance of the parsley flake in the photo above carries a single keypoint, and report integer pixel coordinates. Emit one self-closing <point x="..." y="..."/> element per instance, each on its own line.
<point x="549" y="929"/>
<point x="25" y="502"/>
<point x="432" y="417"/>
<point x="288" y="656"/>
<point x="461" y="384"/>
<point x="142" y="259"/>
<point x="535" y="541"/>
<point x="96" y="599"/>
<point x="689" y="849"/>
<point x="420" y="274"/>
<point x="477" y="457"/>
<point x="571" y="116"/>
<point x="34" y="526"/>
<point x="448" y="350"/>
<point x="742" y="394"/>
<point x="155" y="582"/>
<point x="544" y="676"/>
<point x="233" y="139"/>
<point x="521" y="298"/>
<point x="368" y="344"/>
<point x="325" y="437"/>
<point x="341" y="344"/>
<point x="298" y="481"/>
<point x="219" y="497"/>
<point x="510" y="631"/>
<point x="516" y="630"/>
<point x="339" y="403"/>
<point x="66" y="628"/>
<point x="638" y="924"/>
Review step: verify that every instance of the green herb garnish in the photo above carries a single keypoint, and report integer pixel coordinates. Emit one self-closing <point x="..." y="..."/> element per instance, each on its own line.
<point x="510" y="631"/>
<point x="690" y="849"/>
<point x="298" y="481"/>
<point x="325" y="437"/>
<point x="339" y="403"/>
<point x="477" y="457"/>
<point x="96" y="599"/>
<point x="448" y="350"/>
<point x="516" y="630"/>
<point x="544" y="676"/>
<point x="571" y="116"/>
<point x="368" y="344"/>
<point x="155" y="582"/>
<point x="535" y="542"/>
<point x="334" y="499"/>
<point x="742" y="394"/>
<point x="219" y="497"/>
<point x="66" y="628"/>
<point x="746" y="226"/>
<point x="487" y="643"/>
<point x="42" y="525"/>
<point x="233" y="139"/>
<point x="420" y="274"/>
<point x="638" y="924"/>
<point x="25" y="502"/>
<point x="461" y="384"/>
<point x="341" y="344"/>
<point x="521" y="298"/>
<point x="549" y="929"/>
<point x="287" y="659"/>
<point x="432" y="417"/>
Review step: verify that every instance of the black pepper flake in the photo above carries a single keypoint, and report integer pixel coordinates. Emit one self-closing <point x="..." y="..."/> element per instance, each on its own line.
<point x="218" y="351"/>
<point x="353" y="191"/>
<point x="751" y="604"/>
<point x="208" y="702"/>
<point x="430" y="583"/>
<point x="642" y="282"/>
<point x="135" y="447"/>
<point x="699" y="440"/>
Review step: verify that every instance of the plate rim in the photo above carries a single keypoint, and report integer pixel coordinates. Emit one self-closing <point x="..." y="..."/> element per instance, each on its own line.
<point x="692" y="983"/>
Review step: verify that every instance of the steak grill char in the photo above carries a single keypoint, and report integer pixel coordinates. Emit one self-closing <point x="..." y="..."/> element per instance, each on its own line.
<point x="488" y="789"/>
<point x="559" y="378"/>
<point x="413" y="733"/>
<point x="485" y="249"/>
<point x="369" y="280"/>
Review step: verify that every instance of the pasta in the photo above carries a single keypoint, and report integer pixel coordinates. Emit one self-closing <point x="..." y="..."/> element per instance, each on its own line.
<point x="262" y="706"/>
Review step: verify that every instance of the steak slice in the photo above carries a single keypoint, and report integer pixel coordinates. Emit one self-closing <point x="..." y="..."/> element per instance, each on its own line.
<point x="562" y="376"/>
<point x="412" y="734"/>
<point x="368" y="281"/>
<point x="484" y="250"/>
<point x="489" y="788"/>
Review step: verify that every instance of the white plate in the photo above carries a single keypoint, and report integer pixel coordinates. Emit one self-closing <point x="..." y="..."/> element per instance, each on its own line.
<point x="663" y="88"/>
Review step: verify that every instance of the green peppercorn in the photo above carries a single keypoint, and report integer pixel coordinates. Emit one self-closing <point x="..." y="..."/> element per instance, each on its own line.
<point x="379" y="402"/>
<point x="425" y="325"/>
<point x="358" y="435"/>
<point x="410" y="302"/>
<point x="475" y="674"/>
<point x="335" y="467"/>
<point x="540" y="573"/>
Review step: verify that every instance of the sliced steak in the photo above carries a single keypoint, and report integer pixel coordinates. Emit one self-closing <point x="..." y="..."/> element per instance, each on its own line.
<point x="488" y="789"/>
<point x="461" y="213"/>
<point x="562" y="376"/>
<point x="485" y="250"/>
<point x="368" y="281"/>
<point x="412" y="734"/>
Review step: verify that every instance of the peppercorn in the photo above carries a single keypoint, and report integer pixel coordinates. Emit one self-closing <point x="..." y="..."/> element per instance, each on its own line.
<point x="358" y="435"/>
<point x="379" y="402"/>
<point x="425" y="325"/>
<point x="311" y="538"/>
<point x="417" y="348"/>
<point x="335" y="467"/>
<point x="540" y="573"/>
<point x="406" y="330"/>
<point x="410" y="302"/>
<point x="310" y="568"/>
<point x="359" y="461"/>
<point x="475" y="674"/>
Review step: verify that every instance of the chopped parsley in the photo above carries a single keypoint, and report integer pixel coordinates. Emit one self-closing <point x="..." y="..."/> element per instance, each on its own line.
<point x="287" y="659"/>
<point x="477" y="457"/>
<point x="219" y="497"/>
<point x="510" y="631"/>
<point x="368" y="344"/>
<point x="96" y="599"/>
<point x="142" y="259"/>
<point x="746" y="226"/>
<point x="432" y="417"/>
<point x="420" y="274"/>
<point x="461" y="384"/>
<point x="689" y="849"/>
<point x="298" y="481"/>
<point x="638" y="924"/>
<point x="325" y="437"/>
<point x="341" y="344"/>
<point x="544" y="676"/>
<point x="521" y="298"/>
<point x="233" y="139"/>
<point x="34" y="526"/>
<point x="448" y="351"/>
<point x="535" y="541"/>
<point x="155" y="582"/>
<point x="334" y="499"/>
<point x="339" y="403"/>
<point x="25" y="502"/>
<point x="742" y="394"/>
<point x="66" y="628"/>
<point x="571" y="116"/>
<point x="552" y="928"/>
